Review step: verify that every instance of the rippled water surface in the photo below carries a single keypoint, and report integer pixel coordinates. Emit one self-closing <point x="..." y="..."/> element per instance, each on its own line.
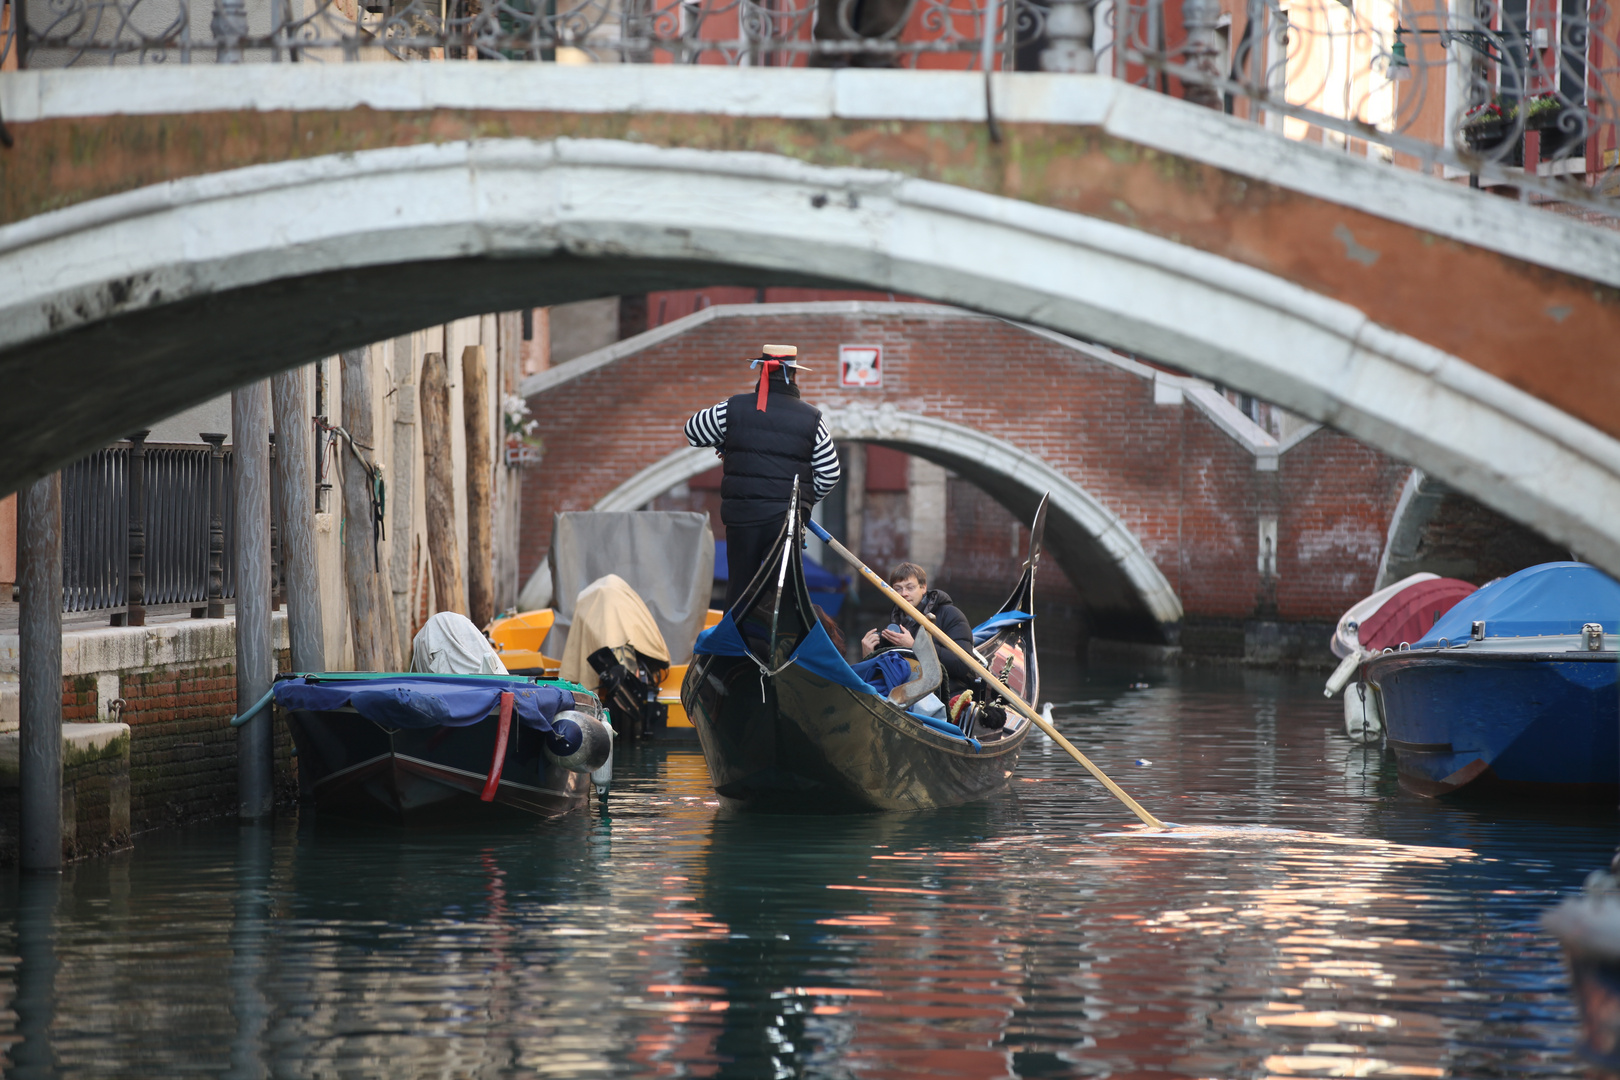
<point x="1360" y="932"/>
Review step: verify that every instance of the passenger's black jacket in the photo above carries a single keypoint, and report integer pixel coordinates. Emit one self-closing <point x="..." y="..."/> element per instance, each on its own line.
<point x="764" y="451"/>
<point x="948" y="617"/>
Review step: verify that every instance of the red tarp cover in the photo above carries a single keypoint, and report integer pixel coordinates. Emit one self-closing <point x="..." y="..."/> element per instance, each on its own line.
<point x="1409" y="614"/>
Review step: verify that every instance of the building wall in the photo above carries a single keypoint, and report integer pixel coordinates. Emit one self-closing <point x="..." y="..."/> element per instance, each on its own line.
<point x="174" y="684"/>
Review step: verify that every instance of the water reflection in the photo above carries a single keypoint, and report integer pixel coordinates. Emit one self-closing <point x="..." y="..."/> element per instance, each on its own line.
<point x="35" y="967"/>
<point x="1344" y="930"/>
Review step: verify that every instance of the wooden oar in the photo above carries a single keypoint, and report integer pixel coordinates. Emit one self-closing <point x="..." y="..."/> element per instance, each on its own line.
<point x="983" y="672"/>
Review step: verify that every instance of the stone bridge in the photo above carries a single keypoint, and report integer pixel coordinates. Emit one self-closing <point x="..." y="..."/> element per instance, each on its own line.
<point x="1168" y="503"/>
<point x="170" y="233"/>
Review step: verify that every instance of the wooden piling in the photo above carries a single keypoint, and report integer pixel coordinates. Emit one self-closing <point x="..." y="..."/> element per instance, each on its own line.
<point x="480" y="508"/>
<point x="438" y="487"/>
<point x="401" y="497"/>
<point x="295" y="469"/>
<point x="368" y="619"/>
<point x="39" y="646"/>
<point x="255" y="662"/>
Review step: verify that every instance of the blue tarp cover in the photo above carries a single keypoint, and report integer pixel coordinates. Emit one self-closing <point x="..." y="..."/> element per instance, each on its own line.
<point x="721" y="639"/>
<point x="424" y="701"/>
<point x="816" y="654"/>
<point x="1553" y="598"/>
<point x="884" y="671"/>
<point x="987" y="629"/>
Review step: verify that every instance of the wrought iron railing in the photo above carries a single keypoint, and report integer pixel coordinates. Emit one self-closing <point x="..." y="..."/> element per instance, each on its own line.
<point x="1456" y="87"/>
<point x="176" y="527"/>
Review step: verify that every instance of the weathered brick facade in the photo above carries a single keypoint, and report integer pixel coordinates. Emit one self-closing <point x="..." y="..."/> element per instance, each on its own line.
<point x="1191" y="493"/>
<point x="182" y="760"/>
<point x="174" y="685"/>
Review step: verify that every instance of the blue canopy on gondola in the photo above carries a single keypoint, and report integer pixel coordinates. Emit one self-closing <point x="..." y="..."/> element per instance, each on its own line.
<point x="425" y="701"/>
<point x="1540" y="601"/>
<point x="987" y="629"/>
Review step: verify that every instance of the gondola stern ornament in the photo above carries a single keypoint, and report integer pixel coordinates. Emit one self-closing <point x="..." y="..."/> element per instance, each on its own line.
<point x="1037" y="532"/>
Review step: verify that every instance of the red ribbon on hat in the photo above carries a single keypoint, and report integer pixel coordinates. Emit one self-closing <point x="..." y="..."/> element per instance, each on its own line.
<point x="768" y="365"/>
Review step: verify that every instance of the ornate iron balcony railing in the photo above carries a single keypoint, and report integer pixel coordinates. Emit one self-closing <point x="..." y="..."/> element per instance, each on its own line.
<point x="1453" y="87"/>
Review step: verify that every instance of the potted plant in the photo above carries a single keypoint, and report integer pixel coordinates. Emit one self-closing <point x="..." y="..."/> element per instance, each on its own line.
<point x="523" y="444"/>
<point x="1484" y="127"/>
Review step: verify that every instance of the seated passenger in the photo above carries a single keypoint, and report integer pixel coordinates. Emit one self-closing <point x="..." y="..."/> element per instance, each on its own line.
<point x="911" y="582"/>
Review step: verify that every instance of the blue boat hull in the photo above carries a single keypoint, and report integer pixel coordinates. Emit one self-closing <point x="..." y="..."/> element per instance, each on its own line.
<point x="1540" y="725"/>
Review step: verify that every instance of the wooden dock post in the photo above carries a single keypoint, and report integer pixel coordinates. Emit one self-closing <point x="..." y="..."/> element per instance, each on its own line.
<point x="295" y="468"/>
<point x="39" y="535"/>
<point x="403" y="553"/>
<point x="369" y="619"/>
<point x="480" y="508"/>
<point x="255" y="662"/>
<point x="438" y="487"/>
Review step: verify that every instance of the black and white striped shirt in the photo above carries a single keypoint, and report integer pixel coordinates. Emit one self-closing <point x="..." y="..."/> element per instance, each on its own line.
<point x="708" y="428"/>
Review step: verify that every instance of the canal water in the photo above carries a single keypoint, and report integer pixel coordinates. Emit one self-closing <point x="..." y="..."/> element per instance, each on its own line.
<point x="1347" y="929"/>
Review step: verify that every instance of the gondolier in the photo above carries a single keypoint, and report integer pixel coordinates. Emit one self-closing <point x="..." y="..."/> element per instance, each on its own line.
<point x="766" y="439"/>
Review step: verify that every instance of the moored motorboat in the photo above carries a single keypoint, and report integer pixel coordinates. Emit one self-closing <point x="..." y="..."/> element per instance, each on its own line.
<point x="1394" y="616"/>
<point x="412" y="748"/>
<point x="787" y="726"/>
<point x="1512" y="692"/>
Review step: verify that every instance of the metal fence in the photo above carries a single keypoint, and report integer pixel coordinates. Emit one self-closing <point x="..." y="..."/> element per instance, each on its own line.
<point x="1455" y="87"/>
<point x="177" y="517"/>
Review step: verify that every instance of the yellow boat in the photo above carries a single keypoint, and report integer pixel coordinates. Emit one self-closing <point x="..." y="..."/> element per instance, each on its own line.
<point x="518" y="639"/>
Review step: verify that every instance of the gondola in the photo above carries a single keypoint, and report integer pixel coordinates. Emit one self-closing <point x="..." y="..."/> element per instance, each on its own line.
<point x="410" y="748"/>
<point x="787" y="726"/>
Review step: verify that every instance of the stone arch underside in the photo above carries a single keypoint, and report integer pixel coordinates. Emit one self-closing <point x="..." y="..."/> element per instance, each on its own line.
<point x="1126" y="595"/>
<point x="1438" y="529"/>
<point x="158" y="298"/>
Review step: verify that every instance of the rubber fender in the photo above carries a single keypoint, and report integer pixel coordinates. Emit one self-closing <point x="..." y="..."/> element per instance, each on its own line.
<point x="579" y="743"/>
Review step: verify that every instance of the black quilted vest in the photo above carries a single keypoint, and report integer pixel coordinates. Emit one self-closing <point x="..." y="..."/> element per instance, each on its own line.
<point x="764" y="452"/>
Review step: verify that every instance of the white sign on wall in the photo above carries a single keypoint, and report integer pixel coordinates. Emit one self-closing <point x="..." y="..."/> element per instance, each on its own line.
<point x="860" y="365"/>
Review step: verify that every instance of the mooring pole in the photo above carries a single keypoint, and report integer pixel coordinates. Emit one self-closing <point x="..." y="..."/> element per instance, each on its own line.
<point x="39" y="647"/>
<point x="255" y="663"/>
<point x="480" y="475"/>
<point x="295" y="468"/>
<point x="438" y="487"/>
<point x="370" y="623"/>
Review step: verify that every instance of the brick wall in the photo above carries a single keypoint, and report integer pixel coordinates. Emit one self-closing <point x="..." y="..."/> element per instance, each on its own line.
<point x="182" y="757"/>
<point x="1189" y="492"/>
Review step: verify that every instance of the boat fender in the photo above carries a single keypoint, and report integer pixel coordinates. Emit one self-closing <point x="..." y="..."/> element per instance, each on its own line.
<point x="1341" y="674"/>
<point x="603" y="777"/>
<point x="577" y="742"/>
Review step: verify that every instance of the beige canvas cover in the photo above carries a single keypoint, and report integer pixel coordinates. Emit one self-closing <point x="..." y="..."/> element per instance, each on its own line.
<point x="608" y="613"/>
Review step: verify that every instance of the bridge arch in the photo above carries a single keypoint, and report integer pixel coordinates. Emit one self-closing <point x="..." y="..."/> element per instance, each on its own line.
<point x="168" y="294"/>
<point x="1088" y="540"/>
